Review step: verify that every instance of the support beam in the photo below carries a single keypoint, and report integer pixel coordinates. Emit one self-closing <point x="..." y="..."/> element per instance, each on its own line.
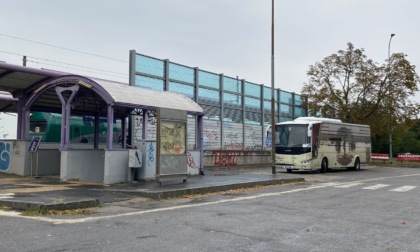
<point x="200" y="141"/>
<point x="66" y="112"/>
<point x="110" y="123"/>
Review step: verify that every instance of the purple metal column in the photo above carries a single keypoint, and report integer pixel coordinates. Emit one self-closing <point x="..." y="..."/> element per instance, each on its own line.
<point x="200" y="142"/>
<point x="144" y="125"/>
<point x="26" y="121"/>
<point x="65" y="110"/>
<point x="21" y="118"/>
<point x="96" y="133"/>
<point x="123" y="133"/>
<point x="110" y="123"/>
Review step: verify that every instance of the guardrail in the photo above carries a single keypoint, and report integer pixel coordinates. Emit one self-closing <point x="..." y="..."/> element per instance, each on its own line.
<point x="408" y="157"/>
<point x="379" y="156"/>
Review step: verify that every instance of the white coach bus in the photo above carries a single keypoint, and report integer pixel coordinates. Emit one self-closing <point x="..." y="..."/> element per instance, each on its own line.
<point x="311" y="143"/>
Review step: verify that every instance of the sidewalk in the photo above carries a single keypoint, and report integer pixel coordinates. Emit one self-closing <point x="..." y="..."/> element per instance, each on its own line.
<point x="48" y="193"/>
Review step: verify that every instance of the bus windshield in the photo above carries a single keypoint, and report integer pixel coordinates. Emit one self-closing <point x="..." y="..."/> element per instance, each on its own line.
<point x="292" y="139"/>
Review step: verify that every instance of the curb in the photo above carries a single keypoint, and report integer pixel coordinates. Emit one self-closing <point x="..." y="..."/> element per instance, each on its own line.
<point x="41" y="206"/>
<point x="158" y="195"/>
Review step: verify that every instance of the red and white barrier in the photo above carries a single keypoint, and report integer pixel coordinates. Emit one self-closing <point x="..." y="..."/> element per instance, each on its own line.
<point x="408" y="157"/>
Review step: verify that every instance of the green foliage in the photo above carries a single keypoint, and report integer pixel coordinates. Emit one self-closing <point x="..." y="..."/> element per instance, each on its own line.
<point x="349" y="86"/>
<point x="407" y="140"/>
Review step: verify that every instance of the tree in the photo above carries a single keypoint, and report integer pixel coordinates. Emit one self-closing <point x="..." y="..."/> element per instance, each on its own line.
<point x="349" y="86"/>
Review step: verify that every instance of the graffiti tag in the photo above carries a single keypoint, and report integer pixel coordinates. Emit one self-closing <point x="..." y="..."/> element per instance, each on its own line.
<point x="4" y="156"/>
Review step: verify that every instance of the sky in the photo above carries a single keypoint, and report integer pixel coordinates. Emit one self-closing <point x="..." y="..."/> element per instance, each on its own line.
<point x="232" y="37"/>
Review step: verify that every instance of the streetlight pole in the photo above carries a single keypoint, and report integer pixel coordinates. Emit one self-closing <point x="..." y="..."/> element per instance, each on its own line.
<point x="390" y="122"/>
<point x="273" y="123"/>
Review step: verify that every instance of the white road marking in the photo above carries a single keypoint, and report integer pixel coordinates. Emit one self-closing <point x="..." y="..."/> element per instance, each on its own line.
<point x="6" y="195"/>
<point x="89" y="219"/>
<point x="348" y="185"/>
<point x="403" y="189"/>
<point x="374" y="187"/>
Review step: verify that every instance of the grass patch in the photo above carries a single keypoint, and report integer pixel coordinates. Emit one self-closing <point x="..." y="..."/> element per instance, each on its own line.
<point x="83" y="211"/>
<point x="5" y="208"/>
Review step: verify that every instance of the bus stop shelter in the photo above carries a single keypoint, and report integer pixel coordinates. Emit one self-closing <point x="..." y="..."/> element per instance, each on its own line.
<point x="25" y="90"/>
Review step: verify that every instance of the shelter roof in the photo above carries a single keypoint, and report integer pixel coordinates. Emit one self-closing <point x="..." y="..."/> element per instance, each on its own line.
<point x="92" y="98"/>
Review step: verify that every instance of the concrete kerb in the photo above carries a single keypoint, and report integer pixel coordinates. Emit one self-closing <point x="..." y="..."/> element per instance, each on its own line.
<point x="164" y="194"/>
<point x="42" y="206"/>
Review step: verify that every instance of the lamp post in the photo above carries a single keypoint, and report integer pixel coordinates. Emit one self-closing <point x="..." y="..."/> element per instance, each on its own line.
<point x="390" y="122"/>
<point x="273" y="123"/>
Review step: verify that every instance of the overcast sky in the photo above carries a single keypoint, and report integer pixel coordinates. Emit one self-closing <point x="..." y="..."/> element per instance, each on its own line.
<point x="232" y="37"/>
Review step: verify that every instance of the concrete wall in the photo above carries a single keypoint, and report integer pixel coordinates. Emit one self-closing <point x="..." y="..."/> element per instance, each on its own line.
<point x="82" y="165"/>
<point x="46" y="160"/>
<point x="223" y="158"/>
<point x="14" y="157"/>
<point x="116" y="166"/>
<point x="193" y="162"/>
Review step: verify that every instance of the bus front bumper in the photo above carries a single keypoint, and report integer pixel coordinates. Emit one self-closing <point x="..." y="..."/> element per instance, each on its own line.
<point x="294" y="167"/>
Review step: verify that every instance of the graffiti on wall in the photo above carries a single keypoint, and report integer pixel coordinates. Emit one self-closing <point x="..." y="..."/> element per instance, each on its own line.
<point x="225" y="158"/>
<point x="138" y="128"/>
<point x="253" y="137"/>
<point x="191" y="161"/>
<point x="211" y="134"/>
<point x="150" y="155"/>
<point x="4" y="156"/>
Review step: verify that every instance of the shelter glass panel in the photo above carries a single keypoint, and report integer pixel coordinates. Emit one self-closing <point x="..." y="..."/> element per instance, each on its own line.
<point x="181" y="88"/>
<point x="150" y="83"/>
<point x="252" y="89"/>
<point x="181" y="73"/>
<point x="208" y="79"/>
<point x="150" y="66"/>
<point x="231" y="84"/>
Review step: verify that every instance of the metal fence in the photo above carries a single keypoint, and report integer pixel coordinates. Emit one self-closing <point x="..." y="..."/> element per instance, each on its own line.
<point x="237" y="112"/>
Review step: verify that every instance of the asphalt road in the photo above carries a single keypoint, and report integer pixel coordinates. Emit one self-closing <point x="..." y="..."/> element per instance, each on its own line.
<point x="375" y="209"/>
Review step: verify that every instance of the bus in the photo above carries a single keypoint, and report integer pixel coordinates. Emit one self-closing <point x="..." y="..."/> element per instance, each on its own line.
<point x="311" y="143"/>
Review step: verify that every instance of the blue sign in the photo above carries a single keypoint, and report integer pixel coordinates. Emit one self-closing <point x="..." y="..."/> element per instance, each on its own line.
<point x="33" y="145"/>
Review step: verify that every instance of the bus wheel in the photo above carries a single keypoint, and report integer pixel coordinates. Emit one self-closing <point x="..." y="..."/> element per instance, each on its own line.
<point x="324" y="166"/>
<point x="357" y="164"/>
